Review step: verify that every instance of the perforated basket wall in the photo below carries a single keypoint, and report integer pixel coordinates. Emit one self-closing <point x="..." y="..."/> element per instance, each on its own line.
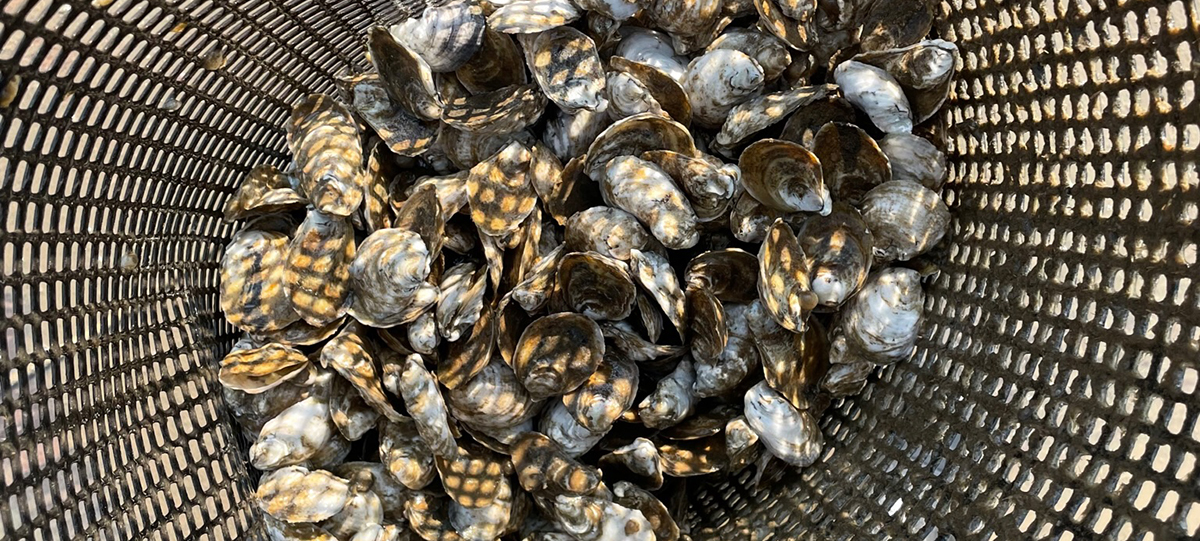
<point x="1054" y="396"/>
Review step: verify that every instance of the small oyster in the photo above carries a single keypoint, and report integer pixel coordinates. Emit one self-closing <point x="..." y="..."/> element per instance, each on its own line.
<point x="405" y="454"/>
<point x="425" y="404"/>
<point x="882" y="323"/>
<point x="469" y="355"/>
<point x="460" y="301"/>
<point x="532" y="16"/>
<point x="252" y="282"/>
<point x="728" y="368"/>
<point x="429" y="517"/>
<point x="803" y="125"/>
<point x="557" y="353"/>
<point x="915" y="158"/>
<point x="709" y="184"/>
<point x="783" y="283"/>
<point x="590" y="518"/>
<point x="544" y="467"/>
<point x="260" y="369"/>
<point x="663" y="89"/>
<point x="906" y="218"/>
<point x="924" y="70"/>
<point x="741" y="443"/>
<point x="797" y="34"/>
<point x="653" y="271"/>
<point x="325" y="145"/>
<point x="318" y="268"/>
<point x="264" y="190"/>
<point x="851" y="162"/>
<point x="487" y="522"/>
<point x="762" y="112"/>
<point x="503" y="111"/>
<point x="352" y="416"/>
<point x="567" y="67"/>
<point x="647" y="192"/>
<point x="769" y="51"/>
<point x="538" y="285"/>
<point x="278" y="530"/>
<point x="400" y="130"/>
<point x="789" y="434"/>
<point x="348" y="353"/>
<point x="794" y="363"/>
<point x="841" y="248"/>
<point x="560" y="425"/>
<point x="363" y="508"/>
<point x="423" y="334"/>
<point x="717" y="81"/>
<point x="387" y="278"/>
<point x="707" y="330"/>
<point x="637" y="461"/>
<point x="730" y="274"/>
<point x="568" y="135"/>
<point x="493" y="398"/>
<point x="595" y="285"/>
<point x="606" y="230"/>
<point x="499" y="62"/>
<point x="631" y="496"/>
<point x="784" y="176"/>
<point x="391" y="493"/>
<point x="673" y="400"/>
<point x="749" y="220"/>
<point x="500" y="191"/>
<point x="405" y="76"/>
<point x="294" y="436"/>
<point x="445" y="36"/>
<point x="566" y="191"/>
<point x="474" y="477"/>
<point x="466" y="149"/>
<point x="252" y="411"/>
<point x="653" y="49"/>
<point x="606" y="394"/>
<point x="877" y="94"/>
<point x="294" y="494"/>
<point x="627" y="97"/>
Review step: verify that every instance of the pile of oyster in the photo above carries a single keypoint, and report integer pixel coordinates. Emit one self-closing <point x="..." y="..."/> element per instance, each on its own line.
<point x="550" y="258"/>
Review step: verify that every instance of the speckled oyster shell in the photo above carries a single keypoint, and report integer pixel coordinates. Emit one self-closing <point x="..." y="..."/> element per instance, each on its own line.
<point x="405" y="454"/>
<point x="595" y="285"/>
<point x="722" y="373"/>
<point x="260" y="369"/>
<point x="730" y="274"/>
<point x="492" y="398"/>
<point x="325" y="145"/>
<point x="428" y="516"/>
<point x="637" y="461"/>
<point x="535" y="290"/>
<point x="376" y="210"/>
<point x="882" y="323"/>
<point x="691" y="458"/>
<point x="567" y="67"/>
<point x="622" y="337"/>
<point x="924" y="70"/>
<point x="252" y="282"/>
<point x="349" y="354"/>
<point x="499" y="63"/>
<point x="797" y="34"/>
<point x="649" y="193"/>
<point x="784" y="176"/>
<point x="405" y="76"/>
<point x="915" y="158"/>
<point x="789" y="434"/>
<point x="560" y="425"/>
<point x="876" y="93"/>
<point x="557" y="353"/>
<point x="317" y="275"/>
<point x="474" y="477"/>
<point x="500" y="192"/>
<point x="451" y="194"/>
<point x="672" y="400"/>
<point x="469" y="355"/>
<point x="400" y="130"/>
<point x="460" y="300"/>
<point x="906" y="218"/>
<point x="710" y="185"/>
<point x="633" y="497"/>
<point x="749" y="220"/>
<point x="717" y="81"/>
<point x="656" y="276"/>
<point x="293" y="436"/>
<point x="506" y="110"/>
<point x="627" y="96"/>
<point x="490" y="521"/>
<point x="841" y="253"/>
<point x="427" y="407"/>
<point x="391" y="493"/>
<point x="466" y="149"/>
<point x="568" y="135"/>
<point x="666" y="92"/>
<point x="606" y="394"/>
<point x="783" y="283"/>
<point x="264" y="190"/>
<point x="445" y="36"/>
<point x="631" y="136"/>
<point x="387" y="278"/>
<point x="762" y="112"/>
<point x="532" y="16"/>
<point x="294" y="494"/>
<point x="769" y="51"/>
<point x="544" y="467"/>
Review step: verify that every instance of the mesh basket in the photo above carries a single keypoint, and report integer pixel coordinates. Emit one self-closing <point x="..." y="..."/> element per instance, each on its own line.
<point x="1054" y="395"/>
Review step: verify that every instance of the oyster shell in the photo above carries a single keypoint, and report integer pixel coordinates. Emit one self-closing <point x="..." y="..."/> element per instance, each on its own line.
<point x="787" y="433"/>
<point x="631" y="136"/>
<point x="882" y="323"/>
<point x="803" y="125"/>
<point x="653" y="49"/>
<point x="376" y="532"/>
<point x="560" y="425"/>
<point x="363" y="508"/>
<point x="652" y="318"/>
<point x="730" y="274"/>
<point x="693" y="457"/>
<point x="637" y="461"/>
<point x="841" y="247"/>
<point x="653" y="271"/>
<point x="460" y="301"/>
<point x="595" y="285"/>
<point x="533" y="292"/>
<point x="708" y="332"/>
<point x="876" y="93"/>
<point x="666" y="91"/>
<point x="627" y="97"/>
<point x="647" y="192"/>
<point x="405" y="454"/>
<point x="405" y="76"/>
<point x="532" y="16"/>
<point x="376" y="212"/>
<point x="422" y="214"/>
<point x="759" y="113"/>
<point x="568" y="135"/>
<point x="451" y="194"/>
<point x="252" y="411"/>
<point x="260" y="369"/>
<point x="924" y="70"/>
<point x="503" y="111"/>
<point x="797" y="34"/>
<point x="544" y="467"/>
<point x="851" y="161"/>
<point x="469" y="355"/>
<point x="492" y="398"/>
<point x="629" y="343"/>
<point x="318" y="268"/>
<point x="717" y="81"/>
<point x="794" y="363"/>
<point x="906" y="218"/>
<point x="567" y="67"/>
<point x="475" y="477"/>
<point x="252" y="282"/>
<point x="445" y="36"/>
<point x="425" y="404"/>
<point x="915" y="158"/>
<point x="466" y="149"/>
<point x="633" y="497"/>
<point x="557" y="353"/>
<point x="784" y="176"/>
<point x="769" y="51"/>
<point x="606" y="394"/>
<point x="848" y="372"/>
<point x="278" y="530"/>
<point x="615" y="9"/>
<point x="590" y="518"/>
<point x="348" y="353"/>
<point x="749" y="220"/>
<point x="672" y="400"/>
<point x="325" y="145"/>
<point x="293" y="436"/>
<point x="264" y="190"/>
<point x="423" y="334"/>
<point x="783" y="283"/>
<point x="387" y="278"/>
<point x="391" y="493"/>
<point x="500" y="191"/>
<point x="606" y="230"/>
<point x="429" y="517"/>
<point x="400" y="130"/>
<point x="352" y="416"/>
<point x="499" y="62"/>
<point x="487" y="522"/>
<point x="735" y="361"/>
<point x="898" y="23"/>
<point x="566" y="191"/>
<point x="741" y="443"/>
<point x="709" y="184"/>
<point x="294" y="494"/>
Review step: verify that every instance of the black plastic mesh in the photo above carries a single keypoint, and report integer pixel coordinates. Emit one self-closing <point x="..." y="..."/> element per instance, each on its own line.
<point x="1054" y="397"/>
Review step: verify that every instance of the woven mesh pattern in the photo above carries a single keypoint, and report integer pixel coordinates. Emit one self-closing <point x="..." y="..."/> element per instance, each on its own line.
<point x="1055" y="395"/>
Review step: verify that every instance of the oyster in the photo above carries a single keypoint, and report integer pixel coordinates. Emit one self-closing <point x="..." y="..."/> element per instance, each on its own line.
<point x="557" y="353"/>
<point x="841" y="248"/>
<point x="762" y="112"/>
<point x="653" y="49"/>
<point x="445" y="36"/>
<point x="595" y="285"/>
<point x="294" y="436"/>
<point x="264" y="190"/>
<point x="406" y="78"/>
<point x="499" y="62"/>
<point x="664" y="90"/>
<point x="387" y="278"/>
<point x="774" y="15"/>
<point x="741" y="443"/>
<point x="803" y="125"/>
<point x="606" y="394"/>
<point x="673" y="400"/>
<point x="924" y="70"/>
<point x="906" y="218"/>
<point x="568" y="135"/>
<point x="789" y="434"/>
<point x="567" y="67"/>
<point x="295" y="494"/>
<point x="533" y="292"/>
<point x="493" y="398"/>
<point x="500" y="192"/>
<point x="631" y="136"/>
<point x="544" y="467"/>
<point x="318" y="268"/>
<point x="653" y="271"/>
<point x="707" y="329"/>
<point x="503" y="111"/>
<point x="882" y="323"/>
<point x="252" y="282"/>
<point x="769" y="51"/>
<point x="469" y="355"/>
<point x="627" y="97"/>
<point x="391" y="493"/>
<point x="260" y="369"/>
<point x="652" y="318"/>
<point x="851" y="162"/>
<point x="325" y="145"/>
<point x="565" y="191"/>
<point x="460" y="301"/>
<point x="405" y="454"/>
<point x="352" y="416"/>
<point x="363" y="508"/>
<point x="624" y="339"/>
<point x="423" y="334"/>
<point x="487" y="522"/>
<point x="637" y="461"/>
<point x="429" y="517"/>
<point x="730" y="274"/>
<point x="348" y="353"/>
<point x="709" y="184"/>
<point x="898" y="23"/>
<point x="783" y="283"/>
<point x="376" y="532"/>
<point x="252" y="411"/>
<point x="475" y="477"/>
<point x="877" y="94"/>
<point x="560" y="425"/>
<point x="794" y="363"/>
<point x="590" y="518"/>
<point x="693" y="457"/>
<point x="615" y="9"/>
<point x="722" y="373"/>
<point x="402" y="132"/>
<point x="647" y="192"/>
<point x="749" y="220"/>
<point x="606" y="230"/>
<point x="915" y="158"/>
<point x="784" y="176"/>
<point x="425" y="404"/>
<point x="278" y="530"/>
<point x="532" y="16"/>
<point x="717" y="81"/>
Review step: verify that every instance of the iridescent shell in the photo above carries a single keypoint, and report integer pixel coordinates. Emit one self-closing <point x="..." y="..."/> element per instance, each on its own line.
<point x="264" y="190"/>
<point x="253" y="295"/>
<point x="318" y="268"/>
<point x="784" y="176"/>
<point x="915" y="158"/>
<point x="557" y="353"/>
<point x="445" y="36"/>
<point x="717" y="81"/>
<point x="906" y="218"/>
<point x="789" y="434"/>
<point x="325" y="144"/>
<point x="783" y="283"/>
<point x="294" y="494"/>
<point x="595" y="285"/>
